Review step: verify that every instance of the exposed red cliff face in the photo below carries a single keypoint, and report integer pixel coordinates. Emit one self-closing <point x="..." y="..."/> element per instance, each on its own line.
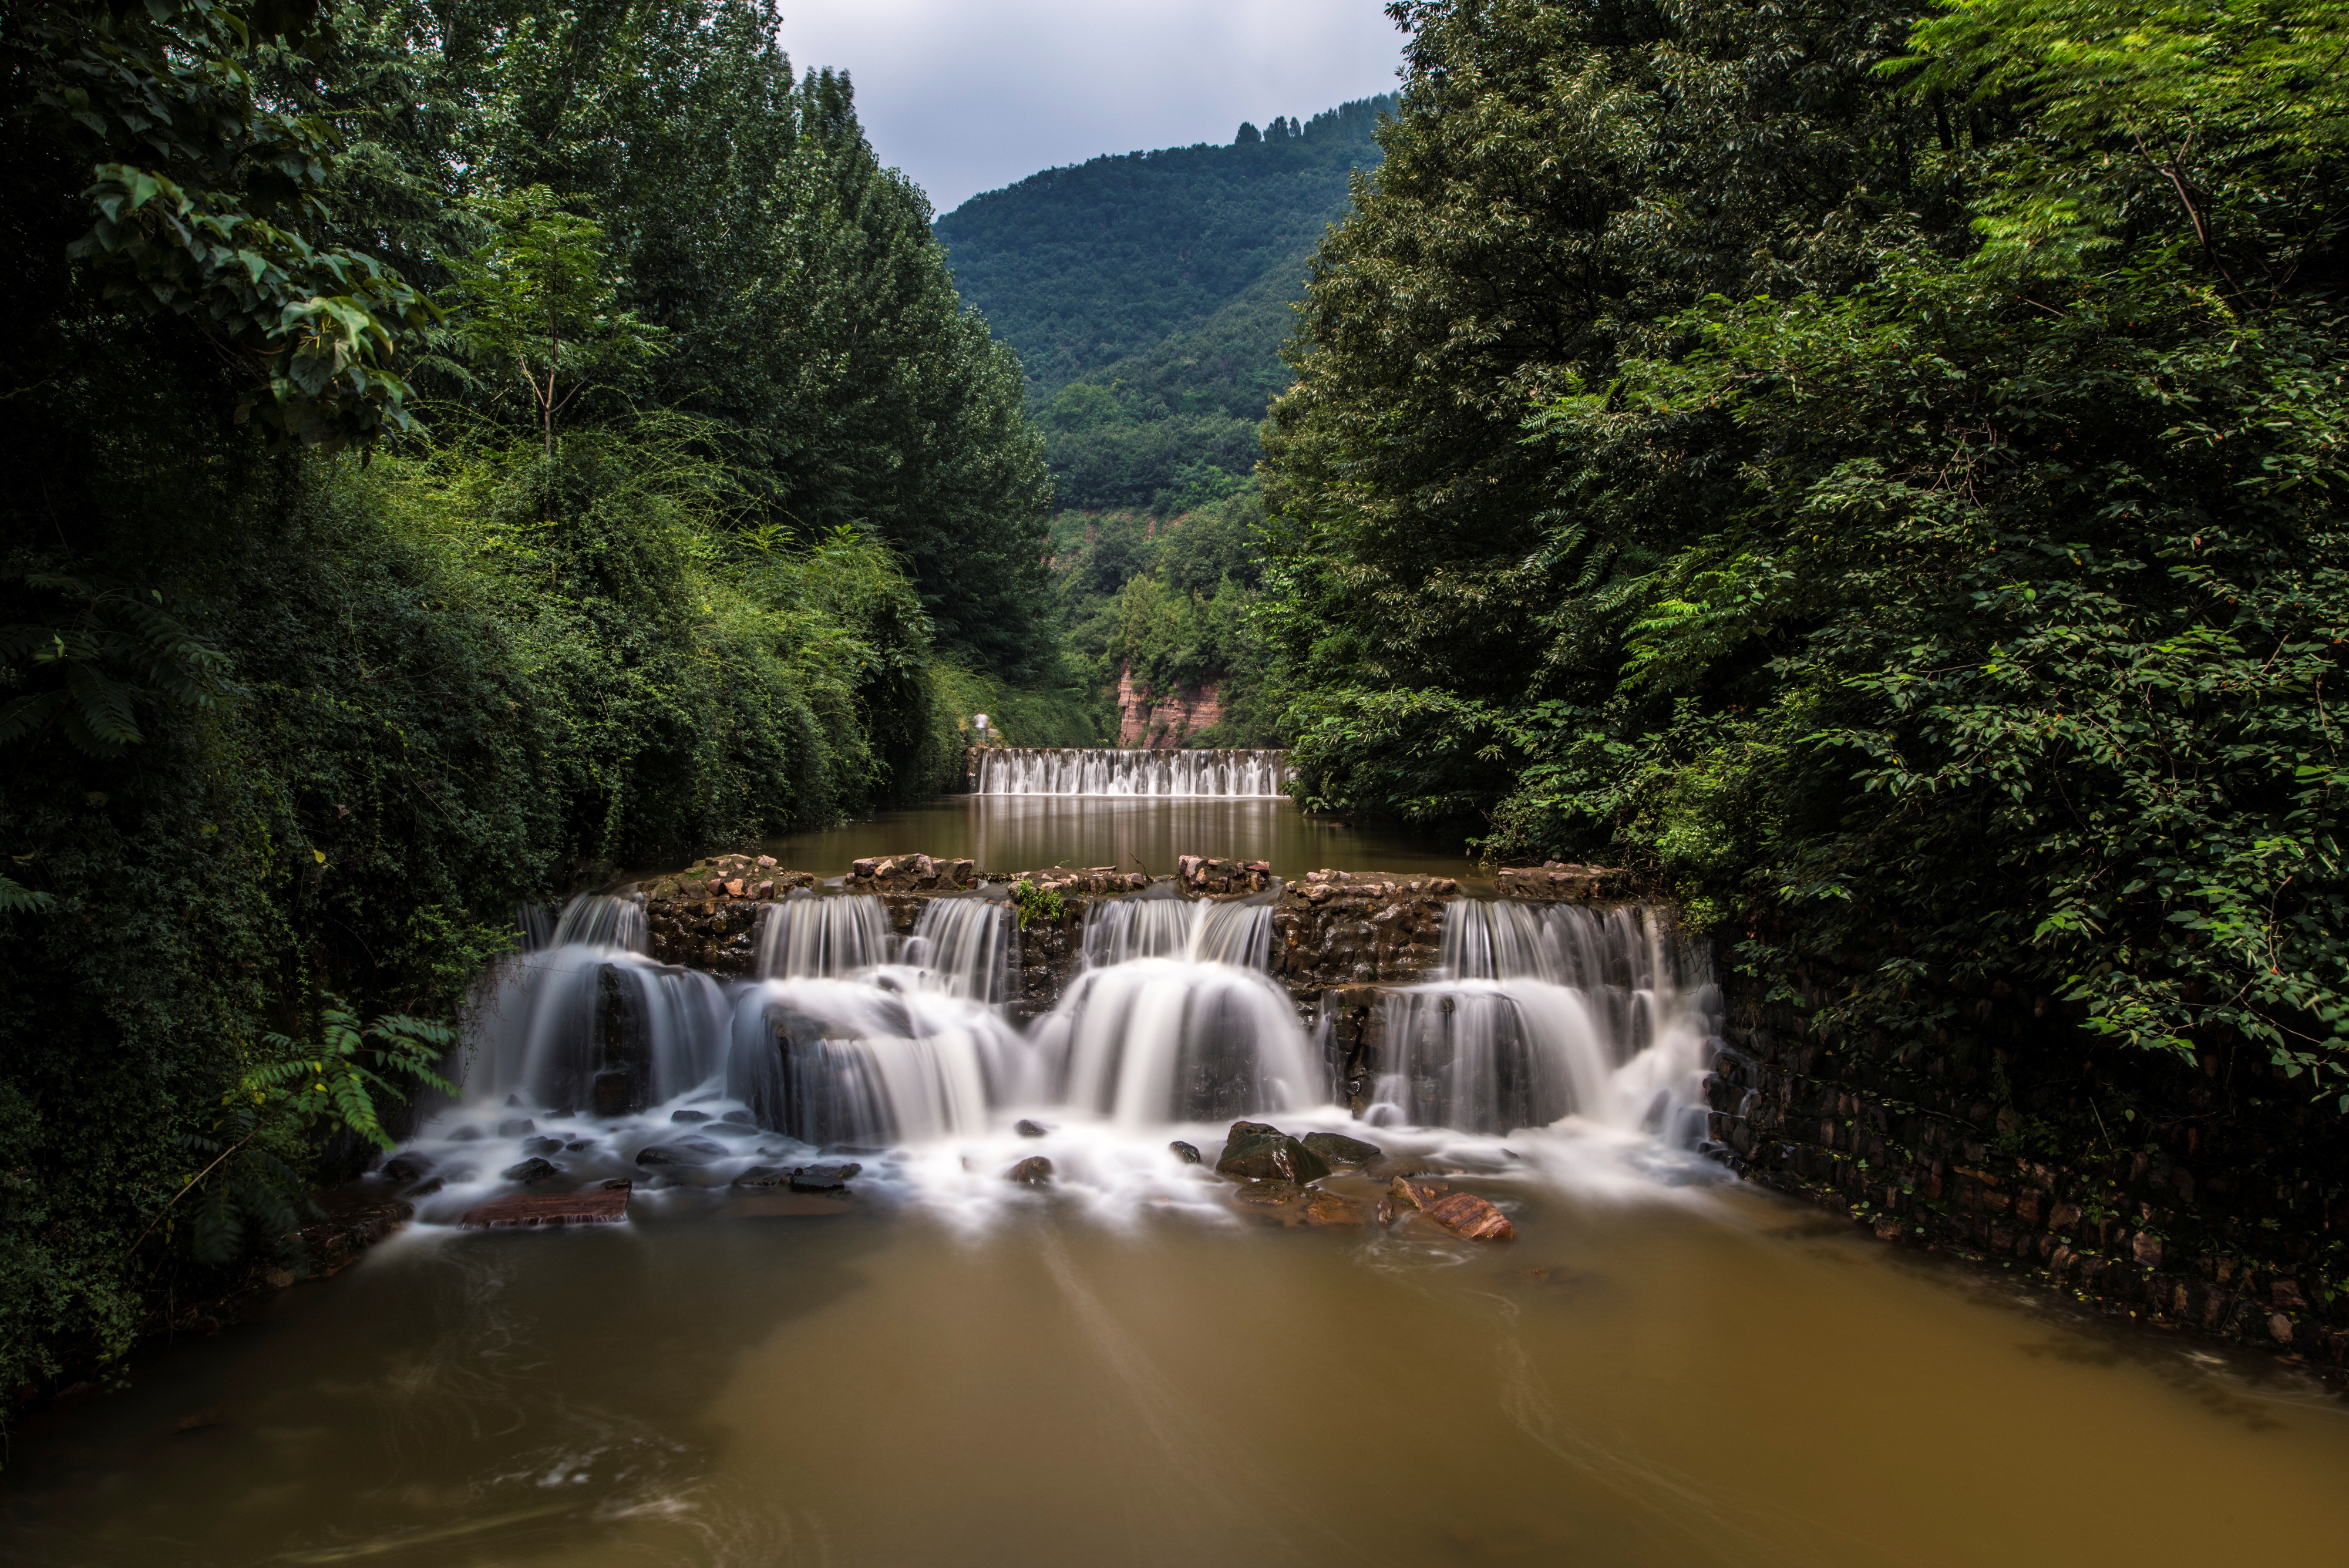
<point x="1147" y="720"/>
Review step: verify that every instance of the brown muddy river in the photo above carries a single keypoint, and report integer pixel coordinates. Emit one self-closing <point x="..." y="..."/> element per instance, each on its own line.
<point x="1124" y="1367"/>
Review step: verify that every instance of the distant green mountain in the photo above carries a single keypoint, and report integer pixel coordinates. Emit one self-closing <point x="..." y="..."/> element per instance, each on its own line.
<point x="1147" y="295"/>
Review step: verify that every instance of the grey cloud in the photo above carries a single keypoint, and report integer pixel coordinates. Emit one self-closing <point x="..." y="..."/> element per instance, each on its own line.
<point x="966" y="98"/>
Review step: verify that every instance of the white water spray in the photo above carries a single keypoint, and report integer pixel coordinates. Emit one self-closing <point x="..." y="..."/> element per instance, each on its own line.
<point x="1093" y="771"/>
<point x="1545" y="1012"/>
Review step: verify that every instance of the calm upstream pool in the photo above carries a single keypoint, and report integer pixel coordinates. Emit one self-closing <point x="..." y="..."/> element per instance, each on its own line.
<point x="1124" y="1367"/>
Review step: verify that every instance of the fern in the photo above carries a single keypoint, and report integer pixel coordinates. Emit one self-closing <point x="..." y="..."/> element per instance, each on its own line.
<point x="253" y="1183"/>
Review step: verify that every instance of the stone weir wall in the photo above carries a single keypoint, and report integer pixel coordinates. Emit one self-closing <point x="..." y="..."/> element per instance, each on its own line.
<point x="1339" y="939"/>
<point x="2212" y="1196"/>
<point x="2217" y="1201"/>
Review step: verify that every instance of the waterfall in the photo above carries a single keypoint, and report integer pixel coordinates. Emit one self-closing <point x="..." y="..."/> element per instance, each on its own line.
<point x="1074" y="770"/>
<point x="1121" y="930"/>
<point x="1156" y="1040"/>
<point x="805" y="936"/>
<point x="598" y="920"/>
<point x="1547" y="1011"/>
<point x="963" y="946"/>
<point x="589" y="1024"/>
<point x="1172" y="1017"/>
<point x="854" y="1035"/>
<point x="846" y="1062"/>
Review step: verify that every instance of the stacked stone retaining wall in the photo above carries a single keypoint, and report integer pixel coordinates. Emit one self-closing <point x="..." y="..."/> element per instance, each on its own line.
<point x="2212" y="1196"/>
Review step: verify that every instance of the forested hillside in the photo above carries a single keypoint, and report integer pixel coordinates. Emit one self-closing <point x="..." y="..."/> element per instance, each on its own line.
<point x="454" y="450"/>
<point x="1149" y="295"/>
<point x="1879" y="470"/>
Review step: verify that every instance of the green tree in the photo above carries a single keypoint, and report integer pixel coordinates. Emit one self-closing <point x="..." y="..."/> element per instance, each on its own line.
<point x="540" y="300"/>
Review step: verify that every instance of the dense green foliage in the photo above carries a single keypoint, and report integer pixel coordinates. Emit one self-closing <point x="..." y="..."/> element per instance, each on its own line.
<point x="1878" y="477"/>
<point x="1166" y="603"/>
<point x="286" y="736"/>
<point x="1149" y="295"/>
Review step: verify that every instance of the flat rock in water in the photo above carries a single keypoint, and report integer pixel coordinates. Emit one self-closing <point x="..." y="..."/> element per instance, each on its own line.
<point x="1033" y="1171"/>
<point x="689" y="1116"/>
<point x="772" y="1205"/>
<point x="824" y="1177"/>
<point x="596" y="1206"/>
<point x="529" y="1170"/>
<point x="1275" y="1156"/>
<point x="764" y="1175"/>
<point x="1188" y="1153"/>
<point x="1273" y="1194"/>
<point x="1462" y="1213"/>
<point x="1340" y="1149"/>
<point x="1030" y="1129"/>
<point x="1332" y="1209"/>
<point x="686" y="1151"/>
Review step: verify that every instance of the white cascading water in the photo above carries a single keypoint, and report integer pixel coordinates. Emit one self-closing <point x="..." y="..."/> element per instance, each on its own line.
<point x="1545" y="1012"/>
<point x="856" y="1036"/>
<point x="1203" y="932"/>
<point x="587" y="1056"/>
<point x="1092" y="770"/>
<point x="589" y="1021"/>
<point x="853" y="1062"/>
<point x="805" y="936"/>
<point x="1172" y="1018"/>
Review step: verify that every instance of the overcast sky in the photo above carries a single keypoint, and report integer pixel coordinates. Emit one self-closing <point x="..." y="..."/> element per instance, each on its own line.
<point x="966" y="97"/>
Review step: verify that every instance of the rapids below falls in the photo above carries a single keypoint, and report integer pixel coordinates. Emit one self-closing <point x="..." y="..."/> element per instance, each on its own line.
<point x="938" y="1365"/>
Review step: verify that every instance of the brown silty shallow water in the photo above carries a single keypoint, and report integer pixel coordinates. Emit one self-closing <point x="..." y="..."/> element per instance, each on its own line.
<point x="1665" y="1367"/>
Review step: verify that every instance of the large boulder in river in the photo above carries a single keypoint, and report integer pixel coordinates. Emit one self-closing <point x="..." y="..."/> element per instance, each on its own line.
<point x="1340" y="1149"/>
<point x="1274" y="1157"/>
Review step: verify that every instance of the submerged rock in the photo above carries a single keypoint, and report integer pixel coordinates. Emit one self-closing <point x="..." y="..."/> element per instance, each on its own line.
<point x="1274" y="1156"/>
<point x="1033" y="1171"/>
<point x="542" y="1145"/>
<point x="423" y="1189"/>
<point x="515" y="1127"/>
<point x="607" y="1205"/>
<point x="1030" y="1129"/>
<point x="1188" y="1153"/>
<point x="1340" y="1149"/>
<point x="763" y="1176"/>
<point x="1271" y="1194"/>
<point x="466" y="1134"/>
<point x="1334" y="1209"/>
<point x="689" y="1116"/>
<point x="529" y="1170"/>
<point x="403" y="1167"/>
<point x="824" y="1177"/>
<point x="686" y="1151"/>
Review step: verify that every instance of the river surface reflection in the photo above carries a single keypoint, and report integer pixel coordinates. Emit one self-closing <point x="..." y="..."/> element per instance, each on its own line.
<point x="1023" y="833"/>
<point x="1653" y="1374"/>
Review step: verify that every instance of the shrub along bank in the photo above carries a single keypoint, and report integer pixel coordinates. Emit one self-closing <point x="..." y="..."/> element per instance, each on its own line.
<point x="428" y="492"/>
<point x="1878" y="470"/>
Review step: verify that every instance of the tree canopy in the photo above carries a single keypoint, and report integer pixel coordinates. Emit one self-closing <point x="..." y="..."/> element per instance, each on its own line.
<point x="1873" y="467"/>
